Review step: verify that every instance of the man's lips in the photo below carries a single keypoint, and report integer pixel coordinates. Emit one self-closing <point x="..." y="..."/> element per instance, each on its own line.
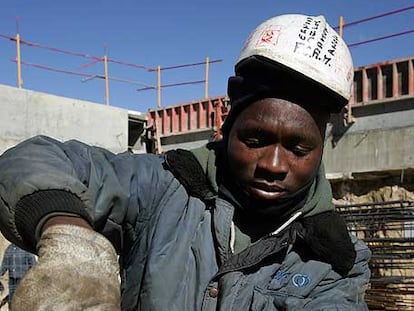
<point x="265" y="191"/>
<point x="268" y="187"/>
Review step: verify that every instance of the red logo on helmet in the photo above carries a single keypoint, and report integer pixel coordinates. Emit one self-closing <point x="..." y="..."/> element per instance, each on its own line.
<point x="269" y="36"/>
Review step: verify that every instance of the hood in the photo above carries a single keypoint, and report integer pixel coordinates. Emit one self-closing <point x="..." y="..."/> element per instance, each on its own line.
<point x="319" y="197"/>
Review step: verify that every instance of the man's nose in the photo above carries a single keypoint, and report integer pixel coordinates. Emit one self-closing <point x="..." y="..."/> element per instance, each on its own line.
<point x="274" y="162"/>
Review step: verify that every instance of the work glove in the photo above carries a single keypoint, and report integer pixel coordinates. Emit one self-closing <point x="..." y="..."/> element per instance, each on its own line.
<point x="77" y="269"/>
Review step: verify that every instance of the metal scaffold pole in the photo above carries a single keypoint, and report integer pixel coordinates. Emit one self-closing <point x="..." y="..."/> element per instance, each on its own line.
<point x="18" y="56"/>
<point x="159" y="86"/>
<point x="206" y="78"/>
<point x="105" y="59"/>
<point x="341" y="25"/>
<point x="349" y="118"/>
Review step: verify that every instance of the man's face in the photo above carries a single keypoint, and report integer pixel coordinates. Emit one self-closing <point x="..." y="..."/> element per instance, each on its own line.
<point x="275" y="147"/>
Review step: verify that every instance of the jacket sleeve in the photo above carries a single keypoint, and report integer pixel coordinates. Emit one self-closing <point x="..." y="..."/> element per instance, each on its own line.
<point x="345" y="293"/>
<point x="42" y="177"/>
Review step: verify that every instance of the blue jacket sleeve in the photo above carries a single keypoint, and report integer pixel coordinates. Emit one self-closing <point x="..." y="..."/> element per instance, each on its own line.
<point x="42" y="177"/>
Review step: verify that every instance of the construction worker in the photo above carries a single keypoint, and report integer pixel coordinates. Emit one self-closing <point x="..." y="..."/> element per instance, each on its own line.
<point x="16" y="262"/>
<point x="246" y="223"/>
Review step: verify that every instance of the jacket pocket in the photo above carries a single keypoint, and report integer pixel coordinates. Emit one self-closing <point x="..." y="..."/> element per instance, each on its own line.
<point x="267" y="300"/>
<point x="275" y="300"/>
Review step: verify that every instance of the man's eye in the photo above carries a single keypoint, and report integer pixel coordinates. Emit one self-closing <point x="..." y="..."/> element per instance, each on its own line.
<point x="252" y="142"/>
<point x="300" y="151"/>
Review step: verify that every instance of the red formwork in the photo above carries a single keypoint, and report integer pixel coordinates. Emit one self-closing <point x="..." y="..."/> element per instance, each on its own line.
<point x="390" y="80"/>
<point x="383" y="81"/>
<point x="189" y="117"/>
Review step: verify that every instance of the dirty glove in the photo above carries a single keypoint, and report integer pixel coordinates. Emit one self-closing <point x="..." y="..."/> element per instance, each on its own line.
<point x="77" y="269"/>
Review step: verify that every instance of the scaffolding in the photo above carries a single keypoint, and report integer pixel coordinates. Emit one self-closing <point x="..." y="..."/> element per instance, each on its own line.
<point x="140" y="86"/>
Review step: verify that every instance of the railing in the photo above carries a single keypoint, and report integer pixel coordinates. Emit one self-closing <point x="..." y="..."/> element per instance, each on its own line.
<point x="63" y="67"/>
<point x="93" y="59"/>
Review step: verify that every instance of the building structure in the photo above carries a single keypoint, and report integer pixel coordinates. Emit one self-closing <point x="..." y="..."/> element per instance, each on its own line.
<point x="369" y="155"/>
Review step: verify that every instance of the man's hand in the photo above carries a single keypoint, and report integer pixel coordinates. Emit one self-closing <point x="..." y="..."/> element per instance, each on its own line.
<point x="77" y="269"/>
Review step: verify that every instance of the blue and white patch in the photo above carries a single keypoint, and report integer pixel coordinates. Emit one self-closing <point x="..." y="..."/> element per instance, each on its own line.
<point x="281" y="275"/>
<point x="280" y="279"/>
<point x="300" y="280"/>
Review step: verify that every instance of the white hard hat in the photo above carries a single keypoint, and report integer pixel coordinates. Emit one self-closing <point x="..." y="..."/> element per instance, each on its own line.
<point x="306" y="45"/>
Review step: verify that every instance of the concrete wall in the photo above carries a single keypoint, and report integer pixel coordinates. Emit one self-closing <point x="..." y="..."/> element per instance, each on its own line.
<point x="380" y="140"/>
<point x="187" y="141"/>
<point x="371" y="151"/>
<point x="26" y="113"/>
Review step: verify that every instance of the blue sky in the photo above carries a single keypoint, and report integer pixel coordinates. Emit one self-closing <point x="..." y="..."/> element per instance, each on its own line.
<point x="168" y="33"/>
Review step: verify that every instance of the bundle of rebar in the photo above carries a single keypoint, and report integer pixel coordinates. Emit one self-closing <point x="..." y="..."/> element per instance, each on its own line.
<point x="388" y="229"/>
